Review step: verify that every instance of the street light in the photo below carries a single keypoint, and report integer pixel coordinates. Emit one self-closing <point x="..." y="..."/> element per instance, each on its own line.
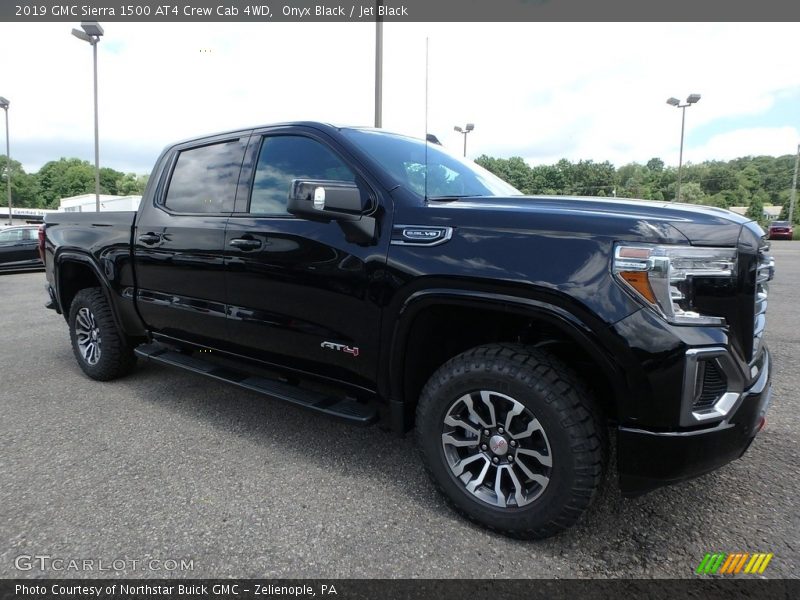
<point x="691" y="99"/>
<point x="464" y="132"/>
<point x="92" y="32"/>
<point x="4" y="104"/>
<point x="378" y="66"/>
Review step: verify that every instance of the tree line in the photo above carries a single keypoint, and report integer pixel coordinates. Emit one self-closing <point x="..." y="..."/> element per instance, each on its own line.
<point x="64" y="178"/>
<point x="752" y="181"/>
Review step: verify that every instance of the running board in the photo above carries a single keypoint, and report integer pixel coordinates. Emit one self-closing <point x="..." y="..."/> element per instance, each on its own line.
<point x="344" y="409"/>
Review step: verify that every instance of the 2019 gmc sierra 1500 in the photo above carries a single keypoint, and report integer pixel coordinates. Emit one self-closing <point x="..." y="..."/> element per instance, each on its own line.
<point x="374" y="277"/>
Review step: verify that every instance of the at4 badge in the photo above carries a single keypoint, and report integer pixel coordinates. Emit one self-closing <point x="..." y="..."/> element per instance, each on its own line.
<point x="353" y="350"/>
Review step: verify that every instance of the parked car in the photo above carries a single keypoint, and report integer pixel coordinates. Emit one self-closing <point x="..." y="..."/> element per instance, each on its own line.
<point x="373" y="277"/>
<point x="780" y="230"/>
<point x="19" y="248"/>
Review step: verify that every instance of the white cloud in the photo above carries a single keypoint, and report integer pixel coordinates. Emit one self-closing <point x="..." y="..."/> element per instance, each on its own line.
<point x="756" y="141"/>
<point x="540" y="90"/>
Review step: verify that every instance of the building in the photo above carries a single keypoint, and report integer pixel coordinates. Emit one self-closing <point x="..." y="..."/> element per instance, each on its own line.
<point x="770" y="212"/>
<point x="108" y="202"/>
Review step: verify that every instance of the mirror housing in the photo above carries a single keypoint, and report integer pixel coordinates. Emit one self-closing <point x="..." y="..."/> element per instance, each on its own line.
<point x="321" y="200"/>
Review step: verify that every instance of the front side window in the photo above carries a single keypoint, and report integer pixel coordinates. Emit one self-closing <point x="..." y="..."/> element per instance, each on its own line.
<point x="284" y="158"/>
<point x="204" y="179"/>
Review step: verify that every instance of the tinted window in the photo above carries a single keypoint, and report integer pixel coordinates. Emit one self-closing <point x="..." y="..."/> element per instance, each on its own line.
<point x="427" y="169"/>
<point x="12" y="235"/>
<point x="286" y="157"/>
<point x="204" y="179"/>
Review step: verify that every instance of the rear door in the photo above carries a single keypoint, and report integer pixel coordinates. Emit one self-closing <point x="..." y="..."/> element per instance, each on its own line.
<point x="302" y="293"/>
<point x="179" y="241"/>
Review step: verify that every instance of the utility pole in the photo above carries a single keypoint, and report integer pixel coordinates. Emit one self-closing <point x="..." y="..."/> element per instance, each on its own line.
<point x="378" y="66"/>
<point x="794" y="188"/>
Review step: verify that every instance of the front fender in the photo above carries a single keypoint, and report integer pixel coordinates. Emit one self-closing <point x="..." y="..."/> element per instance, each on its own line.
<point x="591" y="334"/>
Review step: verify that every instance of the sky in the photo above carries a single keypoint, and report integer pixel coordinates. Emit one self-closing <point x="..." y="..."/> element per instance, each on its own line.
<point x="543" y="91"/>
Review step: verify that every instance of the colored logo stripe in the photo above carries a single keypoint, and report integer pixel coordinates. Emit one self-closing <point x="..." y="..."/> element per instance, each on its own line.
<point x="731" y="564"/>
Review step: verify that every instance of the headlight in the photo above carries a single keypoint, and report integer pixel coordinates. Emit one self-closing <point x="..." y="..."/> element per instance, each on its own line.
<point x="663" y="277"/>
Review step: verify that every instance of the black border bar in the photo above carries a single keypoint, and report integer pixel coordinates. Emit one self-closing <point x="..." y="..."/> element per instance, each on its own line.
<point x="705" y="588"/>
<point x="272" y="11"/>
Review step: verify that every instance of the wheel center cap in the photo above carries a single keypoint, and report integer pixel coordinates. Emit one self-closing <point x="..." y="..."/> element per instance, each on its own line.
<point x="498" y="444"/>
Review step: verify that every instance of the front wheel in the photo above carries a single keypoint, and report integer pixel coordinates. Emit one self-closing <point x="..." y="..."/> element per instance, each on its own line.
<point x="513" y="439"/>
<point x="100" y="349"/>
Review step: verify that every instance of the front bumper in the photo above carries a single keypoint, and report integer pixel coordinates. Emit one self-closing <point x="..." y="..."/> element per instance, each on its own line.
<point x="650" y="459"/>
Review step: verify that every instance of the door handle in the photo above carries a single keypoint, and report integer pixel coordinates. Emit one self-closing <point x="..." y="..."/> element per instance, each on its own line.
<point x="245" y="244"/>
<point x="149" y="238"/>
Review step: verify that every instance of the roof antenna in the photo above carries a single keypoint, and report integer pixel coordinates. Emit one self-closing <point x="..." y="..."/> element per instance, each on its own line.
<point x="426" y="120"/>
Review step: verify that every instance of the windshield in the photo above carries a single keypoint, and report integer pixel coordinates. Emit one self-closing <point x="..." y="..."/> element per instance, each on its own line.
<point x="448" y="176"/>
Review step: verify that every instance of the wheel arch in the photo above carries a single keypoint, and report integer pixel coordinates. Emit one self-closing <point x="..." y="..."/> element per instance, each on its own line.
<point x="495" y="317"/>
<point x="76" y="271"/>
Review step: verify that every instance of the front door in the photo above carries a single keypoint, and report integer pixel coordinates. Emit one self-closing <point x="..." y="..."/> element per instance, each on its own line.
<point x="302" y="293"/>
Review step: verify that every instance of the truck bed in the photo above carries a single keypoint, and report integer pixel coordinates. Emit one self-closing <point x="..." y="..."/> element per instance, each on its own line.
<point x="90" y="231"/>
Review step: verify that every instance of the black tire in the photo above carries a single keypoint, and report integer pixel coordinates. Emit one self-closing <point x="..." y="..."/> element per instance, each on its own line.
<point x="540" y="500"/>
<point x="113" y="356"/>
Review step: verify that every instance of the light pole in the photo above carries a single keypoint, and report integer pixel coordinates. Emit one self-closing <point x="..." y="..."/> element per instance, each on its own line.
<point x="464" y="132"/>
<point x="794" y="187"/>
<point x="692" y="99"/>
<point x="4" y="104"/>
<point x="378" y="65"/>
<point x="92" y="32"/>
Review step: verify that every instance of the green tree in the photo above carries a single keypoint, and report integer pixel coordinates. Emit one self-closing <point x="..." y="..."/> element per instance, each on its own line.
<point x="23" y="185"/>
<point x="692" y="193"/>
<point x="131" y="184"/>
<point x="108" y="180"/>
<point x="756" y="209"/>
<point x="64" y="178"/>
<point x="656" y="165"/>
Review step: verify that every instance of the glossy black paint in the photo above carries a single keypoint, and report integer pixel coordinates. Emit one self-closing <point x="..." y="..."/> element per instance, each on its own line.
<point x="685" y="454"/>
<point x="19" y="249"/>
<point x="289" y="292"/>
<point x="100" y="244"/>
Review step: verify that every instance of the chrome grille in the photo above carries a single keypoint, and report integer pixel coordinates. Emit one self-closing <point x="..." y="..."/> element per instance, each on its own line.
<point x="764" y="272"/>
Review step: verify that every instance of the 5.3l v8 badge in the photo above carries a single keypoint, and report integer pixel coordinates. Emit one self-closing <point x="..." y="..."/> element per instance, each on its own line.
<point x="420" y="235"/>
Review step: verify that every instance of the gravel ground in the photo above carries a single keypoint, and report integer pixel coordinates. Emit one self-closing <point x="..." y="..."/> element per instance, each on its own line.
<point x="169" y="465"/>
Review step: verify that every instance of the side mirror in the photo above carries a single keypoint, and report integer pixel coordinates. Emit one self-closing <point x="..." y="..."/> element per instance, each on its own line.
<point x="327" y="200"/>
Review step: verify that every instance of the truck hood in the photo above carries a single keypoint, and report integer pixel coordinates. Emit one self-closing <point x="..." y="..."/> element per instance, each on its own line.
<point x="700" y="225"/>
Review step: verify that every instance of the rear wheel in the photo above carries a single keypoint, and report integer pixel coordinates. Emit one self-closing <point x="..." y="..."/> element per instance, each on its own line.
<point x="100" y="349"/>
<point x="513" y="439"/>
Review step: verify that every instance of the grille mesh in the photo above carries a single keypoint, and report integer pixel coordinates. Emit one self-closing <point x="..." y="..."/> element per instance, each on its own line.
<point x="714" y="385"/>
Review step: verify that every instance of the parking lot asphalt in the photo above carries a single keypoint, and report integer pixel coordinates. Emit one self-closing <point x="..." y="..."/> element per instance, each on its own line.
<point x="168" y="465"/>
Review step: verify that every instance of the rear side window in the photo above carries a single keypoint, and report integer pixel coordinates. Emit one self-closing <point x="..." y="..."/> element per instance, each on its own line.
<point x="13" y="235"/>
<point x="286" y="157"/>
<point x="204" y="179"/>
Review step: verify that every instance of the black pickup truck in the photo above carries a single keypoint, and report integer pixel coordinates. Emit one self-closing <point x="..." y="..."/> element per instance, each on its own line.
<point x="376" y="278"/>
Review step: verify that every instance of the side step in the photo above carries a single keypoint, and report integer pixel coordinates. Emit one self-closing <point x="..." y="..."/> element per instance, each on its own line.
<point x="343" y="409"/>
